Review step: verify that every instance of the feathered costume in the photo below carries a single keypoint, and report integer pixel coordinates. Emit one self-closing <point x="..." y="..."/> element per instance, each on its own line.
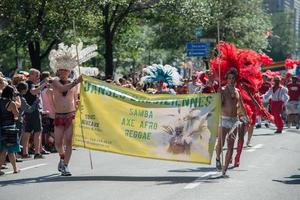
<point x="66" y="57"/>
<point x="166" y="74"/>
<point x="290" y="64"/>
<point x="249" y="80"/>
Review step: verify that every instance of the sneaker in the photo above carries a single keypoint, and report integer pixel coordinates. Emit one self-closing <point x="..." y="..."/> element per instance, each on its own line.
<point x="44" y="152"/>
<point x="258" y="126"/>
<point x="224" y="175"/>
<point x="218" y="165"/>
<point x="3" y="167"/>
<point x="38" y="156"/>
<point x="60" y="165"/>
<point x="26" y="156"/>
<point x="249" y="144"/>
<point x="278" y="131"/>
<point x="297" y="127"/>
<point x="31" y="151"/>
<point x="66" y="171"/>
<point x="236" y="163"/>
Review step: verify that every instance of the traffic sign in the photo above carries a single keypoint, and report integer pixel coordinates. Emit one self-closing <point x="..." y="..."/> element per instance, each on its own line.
<point x="197" y="49"/>
<point x="197" y="53"/>
<point x="197" y="45"/>
<point x="298" y="70"/>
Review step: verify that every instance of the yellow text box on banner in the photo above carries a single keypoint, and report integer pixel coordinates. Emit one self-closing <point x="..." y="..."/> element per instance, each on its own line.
<point x="125" y="121"/>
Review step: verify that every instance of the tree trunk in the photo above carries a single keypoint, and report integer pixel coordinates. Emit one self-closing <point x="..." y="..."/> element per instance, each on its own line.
<point x="34" y="52"/>
<point x="109" y="66"/>
<point x="16" y="54"/>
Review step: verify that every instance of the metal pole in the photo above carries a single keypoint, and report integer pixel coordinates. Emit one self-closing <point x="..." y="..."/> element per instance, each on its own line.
<point x="220" y="118"/>
<point x="80" y="117"/>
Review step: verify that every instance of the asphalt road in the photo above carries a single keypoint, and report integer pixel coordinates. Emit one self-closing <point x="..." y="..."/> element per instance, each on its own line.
<point x="270" y="170"/>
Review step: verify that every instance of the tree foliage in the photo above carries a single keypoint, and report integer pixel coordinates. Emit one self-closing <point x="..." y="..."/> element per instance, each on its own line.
<point x="243" y="22"/>
<point x="36" y="25"/>
<point x="283" y="39"/>
<point x="128" y="32"/>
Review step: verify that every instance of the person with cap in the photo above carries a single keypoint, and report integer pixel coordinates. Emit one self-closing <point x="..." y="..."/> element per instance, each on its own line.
<point x="194" y="86"/>
<point x="279" y="98"/>
<point x="293" y="106"/>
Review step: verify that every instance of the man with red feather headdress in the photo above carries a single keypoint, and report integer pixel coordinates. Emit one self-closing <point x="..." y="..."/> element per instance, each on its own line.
<point x="248" y="81"/>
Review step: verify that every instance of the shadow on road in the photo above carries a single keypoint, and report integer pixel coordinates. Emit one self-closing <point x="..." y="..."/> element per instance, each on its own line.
<point x="293" y="180"/>
<point x="263" y="134"/>
<point x="161" y="180"/>
<point x="198" y="169"/>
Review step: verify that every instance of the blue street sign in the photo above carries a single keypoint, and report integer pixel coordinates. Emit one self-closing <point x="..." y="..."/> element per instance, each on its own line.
<point x="197" y="53"/>
<point x="197" y="45"/>
<point x="298" y="70"/>
<point x="197" y="49"/>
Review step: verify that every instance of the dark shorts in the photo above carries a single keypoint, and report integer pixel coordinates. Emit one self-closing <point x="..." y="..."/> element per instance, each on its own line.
<point x="48" y="125"/>
<point x="33" y="122"/>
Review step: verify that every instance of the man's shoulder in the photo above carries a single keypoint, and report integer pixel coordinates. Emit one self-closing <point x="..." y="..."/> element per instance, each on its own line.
<point x="284" y="88"/>
<point x="55" y="79"/>
<point x="267" y="84"/>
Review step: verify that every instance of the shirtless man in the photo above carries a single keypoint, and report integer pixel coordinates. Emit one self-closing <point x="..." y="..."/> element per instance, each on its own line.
<point x="230" y="101"/>
<point x="65" y="97"/>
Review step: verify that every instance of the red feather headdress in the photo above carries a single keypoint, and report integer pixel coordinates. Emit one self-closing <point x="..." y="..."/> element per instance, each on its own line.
<point x="249" y="80"/>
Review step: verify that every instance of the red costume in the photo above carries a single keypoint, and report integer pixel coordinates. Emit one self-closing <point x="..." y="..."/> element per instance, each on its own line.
<point x="279" y="97"/>
<point x="264" y="87"/>
<point x="294" y="91"/>
<point x="249" y="80"/>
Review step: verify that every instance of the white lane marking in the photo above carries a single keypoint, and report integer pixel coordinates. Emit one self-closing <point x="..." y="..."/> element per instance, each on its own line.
<point x="27" y="168"/>
<point x="258" y="146"/>
<point x="203" y="177"/>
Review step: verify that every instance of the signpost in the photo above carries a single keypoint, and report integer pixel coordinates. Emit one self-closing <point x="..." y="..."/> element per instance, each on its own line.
<point x="197" y="49"/>
<point x="298" y="70"/>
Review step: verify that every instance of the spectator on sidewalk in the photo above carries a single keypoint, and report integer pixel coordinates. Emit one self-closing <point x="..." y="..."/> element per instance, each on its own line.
<point x="8" y="116"/>
<point x="33" y="121"/>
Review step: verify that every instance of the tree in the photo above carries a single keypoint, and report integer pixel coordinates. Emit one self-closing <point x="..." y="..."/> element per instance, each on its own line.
<point x="283" y="39"/>
<point x="37" y="25"/>
<point x="243" y="22"/>
<point x="114" y="15"/>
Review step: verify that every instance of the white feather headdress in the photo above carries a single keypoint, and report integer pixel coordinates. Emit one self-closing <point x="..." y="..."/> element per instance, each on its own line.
<point x="65" y="57"/>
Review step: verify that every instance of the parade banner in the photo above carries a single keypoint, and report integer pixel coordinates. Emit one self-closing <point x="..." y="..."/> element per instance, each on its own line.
<point x="125" y="121"/>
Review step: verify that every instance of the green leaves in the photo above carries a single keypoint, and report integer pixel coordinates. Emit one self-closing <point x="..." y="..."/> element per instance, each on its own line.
<point x="139" y="31"/>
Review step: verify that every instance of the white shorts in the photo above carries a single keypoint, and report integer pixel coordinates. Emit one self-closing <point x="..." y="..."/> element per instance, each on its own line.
<point x="293" y="107"/>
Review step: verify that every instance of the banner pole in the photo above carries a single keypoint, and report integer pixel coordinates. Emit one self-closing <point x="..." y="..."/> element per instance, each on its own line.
<point x="220" y="118"/>
<point x="80" y="117"/>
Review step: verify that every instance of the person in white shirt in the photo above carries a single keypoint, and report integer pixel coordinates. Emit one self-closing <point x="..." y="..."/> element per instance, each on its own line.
<point x="193" y="86"/>
<point x="279" y="98"/>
